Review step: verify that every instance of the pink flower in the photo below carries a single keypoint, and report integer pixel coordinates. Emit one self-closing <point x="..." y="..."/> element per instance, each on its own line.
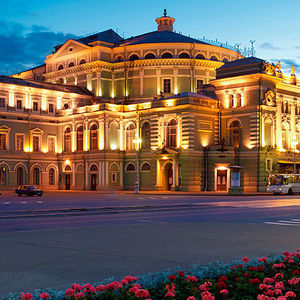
<point x="79" y="295"/>
<point x="207" y="296"/>
<point x="262" y="297"/>
<point x="290" y="294"/>
<point x="278" y="275"/>
<point x="69" y="292"/>
<point x="191" y="278"/>
<point x="26" y="296"/>
<point x="224" y="292"/>
<point x="170" y="287"/>
<point x="262" y="259"/>
<point x="268" y="280"/>
<point x="130" y="278"/>
<point x="77" y="287"/>
<point x="279" y="285"/>
<point x="170" y="294"/>
<point x="245" y="259"/>
<point x="88" y="289"/>
<point x="281" y="298"/>
<point x="277" y="292"/>
<point x="142" y="293"/>
<point x="44" y="296"/>
<point x="191" y="298"/>
<point x="112" y="286"/>
<point x="100" y="288"/>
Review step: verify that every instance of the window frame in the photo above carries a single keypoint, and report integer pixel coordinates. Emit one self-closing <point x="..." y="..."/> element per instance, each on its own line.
<point x="51" y="137"/>
<point x="163" y="85"/>
<point x="16" y="141"/>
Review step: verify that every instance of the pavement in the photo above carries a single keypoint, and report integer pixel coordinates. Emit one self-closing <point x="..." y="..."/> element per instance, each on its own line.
<point x="58" y="258"/>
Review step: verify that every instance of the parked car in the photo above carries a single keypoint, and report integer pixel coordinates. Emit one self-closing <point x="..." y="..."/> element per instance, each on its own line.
<point x="28" y="190"/>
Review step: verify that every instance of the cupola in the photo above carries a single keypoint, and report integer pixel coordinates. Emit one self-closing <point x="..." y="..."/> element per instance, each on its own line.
<point x="165" y="23"/>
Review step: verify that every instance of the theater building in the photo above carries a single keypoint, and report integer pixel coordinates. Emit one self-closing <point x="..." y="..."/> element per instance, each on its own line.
<point x="161" y="109"/>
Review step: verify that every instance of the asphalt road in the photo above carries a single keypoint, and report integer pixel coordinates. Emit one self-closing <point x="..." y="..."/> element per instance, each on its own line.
<point x="61" y="238"/>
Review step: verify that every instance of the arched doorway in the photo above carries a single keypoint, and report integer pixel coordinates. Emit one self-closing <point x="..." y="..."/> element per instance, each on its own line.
<point x="68" y="178"/>
<point x="168" y="176"/>
<point x="2" y="176"/>
<point x="20" y="176"/>
<point x="36" y="176"/>
<point x="94" y="170"/>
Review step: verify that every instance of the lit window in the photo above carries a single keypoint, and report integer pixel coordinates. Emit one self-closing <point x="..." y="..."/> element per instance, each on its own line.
<point x="51" y="144"/>
<point x="20" y="142"/>
<point x="3" y="141"/>
<point x="130" y="135"/>
<point x="36" y="143"/>
<point x="172" y="134"/>
<point x="80" y="138"/>
<point x="130" y="167"/>
<point x="235" y="134"/>
<point x="51" y="108"/>
<point x="67" y="140"/>
<point x="36" y="176"/>
<point x="51" y="177"/>
<point x="199" y="85"/>
<point x="146" y="135"/>
<point x="146" y="167"/>
<point x="167" y="85"/>
<point x="94" y="137"/>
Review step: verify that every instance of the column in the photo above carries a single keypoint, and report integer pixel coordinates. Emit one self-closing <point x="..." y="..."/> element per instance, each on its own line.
<point x="121" y="173"/>
<point x="122" y="144"/>
<point x="75" y="79"/>
<point x="158" y="74"/>
<point x="179" y="131"/>
<point x="89" y="81"/>
<point x="174" y="175"/>
<point x="112" y="85"/>
<point x="161" y="132"/>
<point x="86" y="137"/>
<point x="73" y="138"/>
<point x="106" y="136"/>
<point x="101" y="134"/>
<point x="73" y="174"/>
<point x="279" y="124"/>
<point x="98" y="85"/>
<point x="86" y="175"/>
<point x="141" y="81"/>
<point x="158" y="174"/>
<point x="293" y="120"/>
<point x="175" y="88"/>
<point x="99" y="174"/>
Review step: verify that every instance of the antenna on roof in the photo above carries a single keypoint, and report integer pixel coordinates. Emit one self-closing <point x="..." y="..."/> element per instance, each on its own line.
<point x="252" y="48"/>
<point x="165" y="12"/>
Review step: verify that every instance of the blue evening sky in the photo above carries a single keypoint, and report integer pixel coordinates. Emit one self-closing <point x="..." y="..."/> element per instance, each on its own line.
<point x="29" y="29"/>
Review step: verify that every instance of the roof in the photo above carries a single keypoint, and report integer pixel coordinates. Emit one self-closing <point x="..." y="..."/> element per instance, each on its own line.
<point x="243" y="66"/>
<point x="159" y="37"/>
<point x="45" y="85"/>
<point x="109" y="36"/>
<point x="33" y="68"/>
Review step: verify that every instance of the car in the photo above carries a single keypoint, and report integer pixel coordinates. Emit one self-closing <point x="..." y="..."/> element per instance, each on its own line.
<point x="28" y="190"/>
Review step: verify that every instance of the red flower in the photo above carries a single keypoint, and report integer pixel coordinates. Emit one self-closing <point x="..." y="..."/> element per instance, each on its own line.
<point x="100" y="288"/>
<point x="69" y="293"/>
<point x="26" y="296"/>
<point x="79" y="295"/>
<point x="245" y="259"/>
<point x="223" y="278"/>
<point x="180" y="273"/>
<point x="142" y="293"/>
<point x="191" y="298"/>
<point x="222" y="285"/>
<point x="254" y="281"/>
<point x="260" y="268"/>
<point x="296" y="272"/>
<point x="290" y="294"/>
<point x="170" y="294"/>
<point x="224" y="292"/>
<point x="44" y="296"/>
<point x="172" y="277"/>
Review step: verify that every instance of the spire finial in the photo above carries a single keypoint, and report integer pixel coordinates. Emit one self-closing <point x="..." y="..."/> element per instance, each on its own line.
<point x="165" y="12"/>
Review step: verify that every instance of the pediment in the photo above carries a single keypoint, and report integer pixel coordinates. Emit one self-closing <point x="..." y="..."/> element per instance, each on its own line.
<point x="64" y="49"/>
<point x="165" y="151"/>
<point x="4" y="128"/>
<point x="36" y="131"/>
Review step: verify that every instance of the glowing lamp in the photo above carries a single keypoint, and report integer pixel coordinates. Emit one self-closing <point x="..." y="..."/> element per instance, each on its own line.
<point x="165" y="157"/>
<point x="67" y="162"/>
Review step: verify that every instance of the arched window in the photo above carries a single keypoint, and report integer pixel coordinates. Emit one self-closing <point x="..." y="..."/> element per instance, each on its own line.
<point x="3" y="176"/>
<point x="67" y="139"/>
<point x="51" y="176"/>
<point x="238" y="100"/>
<point x="36" y="176"/>
<point x="133" y="57"/>
<point x="167" y="55"/>
<point x="172" y="134"/>
<point x="184" y="55"/>
<point x="298" y="137"/>
<point x="80" y="138"/>
<point x="68" y="169"/>
<point x="20" y="176"/>
<point x="94" y="137"/>
<point x="83" y="61"/>
<point x="71" y="64"/>
<point x="150" y="56"/>
<point x="119" y="58"/>
<point x="146" y="136"/>
<point x="93" y="168"/>
<point x="225" y="60"/>
<point x="60" y="67"/>
<point x="235" y="134"/>
<point x="130" y="167"/>
<point x="268" y="132"/>
<point x="214" y="58"/>
<point x="146" y="166"/>
<point x="130" y="135"/>
<point x="113" y="136"/>
<point x="200" y="56"/>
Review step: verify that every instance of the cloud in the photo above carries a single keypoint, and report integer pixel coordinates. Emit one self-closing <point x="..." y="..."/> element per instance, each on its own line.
<point x="286" y="64"/>
<point x="268" y="46"/>
<point x="25" y="47"/>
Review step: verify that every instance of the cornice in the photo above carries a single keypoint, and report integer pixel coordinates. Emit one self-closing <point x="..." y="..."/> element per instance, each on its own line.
<point x="95" y="65"/>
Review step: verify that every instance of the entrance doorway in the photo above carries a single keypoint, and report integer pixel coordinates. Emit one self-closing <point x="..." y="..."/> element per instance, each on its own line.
<point x="93" y="182"/>
<point x="68" y="181"/>
<point x="168" y="178"/>
<point x="221" y="180"/>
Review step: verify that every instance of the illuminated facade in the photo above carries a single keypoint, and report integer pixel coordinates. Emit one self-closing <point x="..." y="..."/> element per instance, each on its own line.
<point x="103" y="107"/>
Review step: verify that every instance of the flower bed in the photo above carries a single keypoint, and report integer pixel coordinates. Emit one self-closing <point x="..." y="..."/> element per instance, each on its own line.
<point x="262" y="279"/>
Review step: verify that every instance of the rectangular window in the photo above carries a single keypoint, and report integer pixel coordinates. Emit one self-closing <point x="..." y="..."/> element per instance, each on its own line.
<point x="36" y="143"/>
<point x="3" y="141"/>
<point x="51" y="108"/>
<point x="20" y="142"/>
<point x="167" y="85"/>
<point x="199" y="84"/>
<point x="35" y="106"/>
<point x="51" y="144"/>
<point x="2" y="102"/>
<point x="19" y="104"/>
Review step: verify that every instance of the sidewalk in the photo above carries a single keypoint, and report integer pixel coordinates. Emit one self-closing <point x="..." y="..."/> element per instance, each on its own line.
<point x="58" y="258"/>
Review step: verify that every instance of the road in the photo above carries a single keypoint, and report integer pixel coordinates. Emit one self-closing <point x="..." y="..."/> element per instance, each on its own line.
<point x="61" y="238"/>
<point x="57" y="210"/>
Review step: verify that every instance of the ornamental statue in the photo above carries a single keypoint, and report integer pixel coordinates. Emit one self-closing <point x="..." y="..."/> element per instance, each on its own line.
<point x="269" y="68"/>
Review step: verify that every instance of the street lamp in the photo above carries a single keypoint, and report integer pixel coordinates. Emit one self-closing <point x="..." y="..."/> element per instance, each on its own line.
<point x="294" y="143"/>
<point x="137" y="141"/>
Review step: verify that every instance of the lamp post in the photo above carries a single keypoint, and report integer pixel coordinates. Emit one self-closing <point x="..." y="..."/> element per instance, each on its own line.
<point x="294" y="143"/>
<point x="137" y="142"/>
